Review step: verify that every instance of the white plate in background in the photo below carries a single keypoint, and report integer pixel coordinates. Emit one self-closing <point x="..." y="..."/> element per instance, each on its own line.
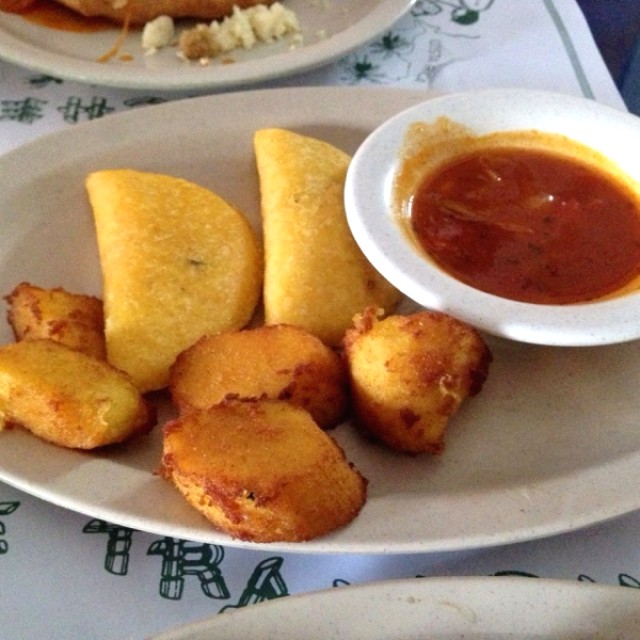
<point x="435" y="608"/>
<point x="331" y="28"/>
<point x="551" y="444"/>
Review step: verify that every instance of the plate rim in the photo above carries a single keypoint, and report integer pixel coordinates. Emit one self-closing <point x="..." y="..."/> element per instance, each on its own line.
<point x="421" y="599"/>
<point x="599" y="510"/>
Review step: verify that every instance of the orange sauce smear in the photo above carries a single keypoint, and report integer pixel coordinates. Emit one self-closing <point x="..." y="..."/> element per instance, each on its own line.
<point x="529" y="225"/>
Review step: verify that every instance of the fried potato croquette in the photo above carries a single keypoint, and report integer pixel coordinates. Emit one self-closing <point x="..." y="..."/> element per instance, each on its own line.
<point x="67" y="397"/>
<point x="278" y="362"/>
<point x="178" y="262"/>
<point x="73" y="319"/>
<point x="315" y="277"/>
<point x="262" y="471"/>
<point x="410" y="374"/>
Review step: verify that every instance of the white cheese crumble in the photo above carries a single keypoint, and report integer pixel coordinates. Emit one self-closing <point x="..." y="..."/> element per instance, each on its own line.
<point x="244" y="28"/>
<point x="273" y="22"/>
<point x="158" y="33"/>
<point x="239" y="27"/>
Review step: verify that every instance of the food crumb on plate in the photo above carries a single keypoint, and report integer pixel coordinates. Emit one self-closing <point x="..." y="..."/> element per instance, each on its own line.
<point x="158" y="33"/>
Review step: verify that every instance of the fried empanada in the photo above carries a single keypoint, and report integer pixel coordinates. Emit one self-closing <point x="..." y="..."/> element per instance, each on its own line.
<point x="178" y="262"/>
<point x="315" y="277"/>
<point x="141" y="11"/>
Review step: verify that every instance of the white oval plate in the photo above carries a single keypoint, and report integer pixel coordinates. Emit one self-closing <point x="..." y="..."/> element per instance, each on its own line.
<point x="551" y="444"/>
<point x="375" y="225"/>
<point x="437" y="609"/>
<point x="330" y="29"/>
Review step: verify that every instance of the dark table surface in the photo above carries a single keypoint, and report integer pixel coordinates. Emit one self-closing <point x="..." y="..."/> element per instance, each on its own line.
<point x="615" y="25"/>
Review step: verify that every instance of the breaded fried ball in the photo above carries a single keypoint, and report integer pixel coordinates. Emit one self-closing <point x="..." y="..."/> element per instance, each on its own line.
<point x="279" y="362"/>
<point x="262" y="471"/>
<point x="410" y="374"/>
<point x="73" y="319"/>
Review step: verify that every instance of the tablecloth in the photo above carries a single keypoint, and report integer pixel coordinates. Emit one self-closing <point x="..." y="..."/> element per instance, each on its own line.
<point x="67" y="575"/>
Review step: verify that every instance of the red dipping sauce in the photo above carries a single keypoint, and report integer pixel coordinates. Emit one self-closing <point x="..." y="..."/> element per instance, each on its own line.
<point x="529" y="225"/>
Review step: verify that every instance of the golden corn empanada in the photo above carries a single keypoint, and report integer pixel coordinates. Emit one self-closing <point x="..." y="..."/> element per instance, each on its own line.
<point x="316" y="277"/>
<point x="178" y="262"/>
